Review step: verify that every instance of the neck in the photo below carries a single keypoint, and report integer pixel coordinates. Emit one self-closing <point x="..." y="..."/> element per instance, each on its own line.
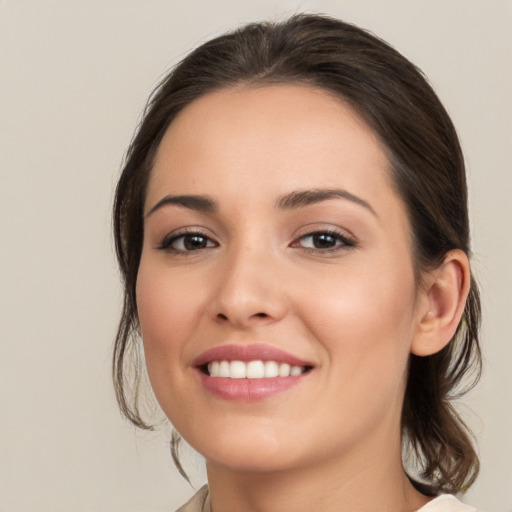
<point x="357" y="482"/>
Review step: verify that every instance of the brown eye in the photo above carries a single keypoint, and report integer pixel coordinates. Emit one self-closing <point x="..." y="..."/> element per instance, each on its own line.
<point x="187" y="242"/>
<point x="193" y="242"/>
<point x="324" y="240"/>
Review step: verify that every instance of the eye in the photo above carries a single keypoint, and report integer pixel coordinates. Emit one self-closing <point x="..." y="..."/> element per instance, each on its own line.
<point x="186" y="242"/>
<point x="324" y="241"/>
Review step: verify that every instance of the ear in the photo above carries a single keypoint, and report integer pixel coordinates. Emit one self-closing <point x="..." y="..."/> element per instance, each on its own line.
<point x="442" y="302"/>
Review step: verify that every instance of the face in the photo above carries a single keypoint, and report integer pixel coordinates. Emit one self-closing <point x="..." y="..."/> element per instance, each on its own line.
<point x="276" y="291"/>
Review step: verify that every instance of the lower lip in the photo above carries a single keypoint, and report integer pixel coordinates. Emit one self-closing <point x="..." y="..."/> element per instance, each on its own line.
<point x="248" y="390"/>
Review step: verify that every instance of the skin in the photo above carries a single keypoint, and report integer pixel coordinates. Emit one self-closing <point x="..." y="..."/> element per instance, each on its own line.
<point x="354" y="310"/>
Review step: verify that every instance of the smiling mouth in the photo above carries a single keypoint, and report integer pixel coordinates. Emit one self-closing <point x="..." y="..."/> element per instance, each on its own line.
<point x="250" y="373"/>
<point x="256" y="369"/>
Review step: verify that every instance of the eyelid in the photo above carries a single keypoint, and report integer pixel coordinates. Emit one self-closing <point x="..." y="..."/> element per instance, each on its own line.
<point x="341" y="235"/>
<point x="347" y="240"/>
<point x="166" y="242"/>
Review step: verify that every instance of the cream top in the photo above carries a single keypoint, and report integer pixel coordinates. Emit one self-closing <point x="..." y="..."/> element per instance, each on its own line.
<point x="444" y="503"/>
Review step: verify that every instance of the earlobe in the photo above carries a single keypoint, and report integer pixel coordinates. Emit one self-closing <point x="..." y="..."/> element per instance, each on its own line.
<point x="444" y="298"/>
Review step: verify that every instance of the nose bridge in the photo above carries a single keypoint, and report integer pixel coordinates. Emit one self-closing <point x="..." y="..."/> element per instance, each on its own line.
<point x="247" y="291"/>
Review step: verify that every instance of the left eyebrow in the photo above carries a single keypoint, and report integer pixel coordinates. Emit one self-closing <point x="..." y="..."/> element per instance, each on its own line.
<point x="193" y="202"/>
<point x="301" y="198"/>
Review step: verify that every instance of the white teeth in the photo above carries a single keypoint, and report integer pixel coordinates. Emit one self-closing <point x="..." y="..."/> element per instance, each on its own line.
<point x="252" y="369"/>
<point x="255" y="370"/>
<point x="271" y="369"/>
<point x="295" y="370"/>
<point x="237" y="370"/>
<point x="284" y="370"/>
<point x="224" y="369"/>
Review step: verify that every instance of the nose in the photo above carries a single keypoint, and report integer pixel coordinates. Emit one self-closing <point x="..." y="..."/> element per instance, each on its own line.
<point x="248" y="292"/>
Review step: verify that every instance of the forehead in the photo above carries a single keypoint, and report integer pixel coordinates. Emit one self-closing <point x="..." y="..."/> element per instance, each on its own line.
<point x="270" y="140"/>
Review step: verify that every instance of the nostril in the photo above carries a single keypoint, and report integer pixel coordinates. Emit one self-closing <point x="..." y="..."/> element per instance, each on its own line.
<point x="222" y="316"/>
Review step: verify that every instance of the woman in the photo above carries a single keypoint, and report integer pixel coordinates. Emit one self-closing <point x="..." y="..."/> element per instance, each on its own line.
<point x="291" y="225"/>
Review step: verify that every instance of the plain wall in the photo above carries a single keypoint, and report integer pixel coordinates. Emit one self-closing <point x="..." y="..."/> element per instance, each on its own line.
<point x="74" y="78"/>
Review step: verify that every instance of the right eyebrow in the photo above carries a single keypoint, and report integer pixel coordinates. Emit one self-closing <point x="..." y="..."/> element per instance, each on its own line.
<point x="193" y="202"/>
<point x="302" y="198"/>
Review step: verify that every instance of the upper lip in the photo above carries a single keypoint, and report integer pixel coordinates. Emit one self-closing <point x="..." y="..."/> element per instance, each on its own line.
<point x="247" y="353"/>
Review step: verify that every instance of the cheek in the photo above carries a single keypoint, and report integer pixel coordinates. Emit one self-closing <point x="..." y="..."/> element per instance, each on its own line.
<point x="167" y="314"/>
<point x="169" y="309"/>
<point x="366" y="322"/>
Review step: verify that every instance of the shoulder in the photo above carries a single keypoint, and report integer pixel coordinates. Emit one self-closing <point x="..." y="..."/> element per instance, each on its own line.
<point x="446" y="503"/>
<point x="196" y="503"/>
<point x="443" y="503"/>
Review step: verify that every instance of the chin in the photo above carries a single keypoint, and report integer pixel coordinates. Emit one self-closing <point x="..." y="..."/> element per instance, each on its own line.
<point x="250" y="451"/>
<point x="256" y="460"/>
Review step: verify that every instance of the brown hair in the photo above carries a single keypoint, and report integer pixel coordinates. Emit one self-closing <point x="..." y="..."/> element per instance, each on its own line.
<point x="395" y="99"/>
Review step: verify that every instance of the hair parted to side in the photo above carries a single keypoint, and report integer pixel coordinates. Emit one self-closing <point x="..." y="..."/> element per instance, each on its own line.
<point x="395" y="99"/>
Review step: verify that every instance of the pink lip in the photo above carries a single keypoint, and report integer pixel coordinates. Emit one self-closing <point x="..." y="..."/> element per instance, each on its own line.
<point x="248" y="390"/>
<point x="248" y="353"/>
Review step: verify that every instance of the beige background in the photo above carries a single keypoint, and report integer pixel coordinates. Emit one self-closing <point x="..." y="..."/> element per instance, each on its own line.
<point x="74" y="78"/>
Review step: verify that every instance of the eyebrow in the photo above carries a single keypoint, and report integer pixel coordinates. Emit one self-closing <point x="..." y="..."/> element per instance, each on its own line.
<point x="291" y="201"/>
<point x="301" y="198"/>
<point x="193" y="202"/>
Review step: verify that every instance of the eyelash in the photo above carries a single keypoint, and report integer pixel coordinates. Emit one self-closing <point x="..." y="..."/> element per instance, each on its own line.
<point x="166" y="244"/>
<point x="341" y="242"/>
